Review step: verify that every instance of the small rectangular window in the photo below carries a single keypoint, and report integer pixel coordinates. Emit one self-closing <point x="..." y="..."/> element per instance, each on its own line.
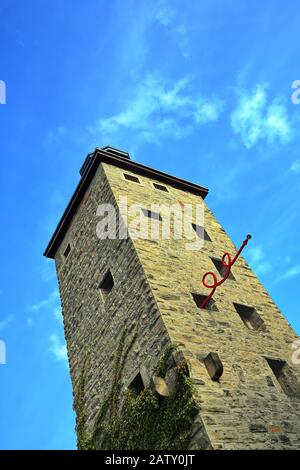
<point x="151" y="214"/>
<point x="285" y="377"/>
<point x="249" y="317"/>
<point x="160" y="187"/>
<point x="199" y="299"/>
<point x="128" y="177"/>
<point x="67" y="250"/>
<point x="106" y="285"/>
<point x="201" y="232"/>
<point x="222" y="270"/>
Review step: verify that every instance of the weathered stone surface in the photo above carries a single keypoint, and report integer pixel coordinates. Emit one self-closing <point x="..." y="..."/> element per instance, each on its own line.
<point x="152" y="298"/>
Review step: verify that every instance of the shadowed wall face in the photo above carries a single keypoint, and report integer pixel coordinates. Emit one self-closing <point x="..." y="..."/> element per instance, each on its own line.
<point x="104" y="291"/>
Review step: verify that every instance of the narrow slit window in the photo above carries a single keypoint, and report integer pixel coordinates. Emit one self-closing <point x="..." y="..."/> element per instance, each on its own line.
<point x="161" y="187"/>
<point x="137" y="385"/>
<point x="67" y="250"/>
<point x="221" y="269"/>
<point x="249" y="317"/>
<point x="151" y="214"/>
<point x="201" y="232"/>
<point x="199" y="299"/>
<point x="285" y="376"/>
<point x="132" y="178"/>
<point x="106" y="285"/>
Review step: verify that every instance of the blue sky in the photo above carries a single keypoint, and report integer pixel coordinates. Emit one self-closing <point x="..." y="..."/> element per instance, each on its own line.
<point x="201" y="90"/>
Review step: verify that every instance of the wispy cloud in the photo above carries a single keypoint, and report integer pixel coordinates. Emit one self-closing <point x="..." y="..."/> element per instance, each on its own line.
<point x="295" y="167"/>
<point x="257" y="119"/>
<point x="58" y="348"/>
<point x="261" y="265"/>
<point x="58" y="314"/>
<point x="171" y="19"/>
<point x="183" y="40"/>
<point x="290" y="273"/>
<point x="161" y="109"/>
<point x="257" y="260"/>
<point x="163" y="14"/>
<point x="6" y="322"/>
<point x="49" y="302"/>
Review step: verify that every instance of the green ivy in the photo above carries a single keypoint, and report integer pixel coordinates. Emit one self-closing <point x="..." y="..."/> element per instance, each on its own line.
<point x="83" y="437"/>
<point x="141" y="421"/>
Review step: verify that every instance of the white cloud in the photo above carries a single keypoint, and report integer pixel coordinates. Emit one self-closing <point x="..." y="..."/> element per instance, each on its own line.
<point x="58" y="314"/>
<point x="172" y="21"/>
<point x="183" y="40"/>
<point x="261" y="265"/>
<point x="290" y="273"/>
<point x="50" y="301"/>
<point x="58" y="348"/>
<point x="263" y="268"/>
<point x="256" y="254"/>
<point x="257" y="119"/>
<point x="295" y="167"/>
<point x="159" y="109"/>
<point x="6" y="322"/>
<point x="257" y="260"/>
<point x="51" y="305"/>
<point x="163" y="15"/>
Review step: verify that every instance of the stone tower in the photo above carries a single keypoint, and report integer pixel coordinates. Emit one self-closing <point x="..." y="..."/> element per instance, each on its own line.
<point x="150" y="369"/>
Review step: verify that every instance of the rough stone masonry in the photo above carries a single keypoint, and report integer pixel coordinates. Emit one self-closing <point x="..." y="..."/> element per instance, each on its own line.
<point x="150" y="286"/>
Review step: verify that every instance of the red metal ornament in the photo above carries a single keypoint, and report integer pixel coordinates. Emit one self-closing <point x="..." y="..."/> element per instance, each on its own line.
<point x="227" y="262"/>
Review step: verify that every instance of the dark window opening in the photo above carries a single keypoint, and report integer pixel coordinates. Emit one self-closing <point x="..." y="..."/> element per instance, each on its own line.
<point x="199" y="299"/>
<point x="213" y="365"/>
<point x="131" y="178"/>
<point x="285" y="377"/>
<point x="161" y="187"/>
<point x="221" y="269"/>
<point x="151" y="214"/>
<point x="67" y="250"/>
<point x="137" y="385"/>
<point x="201" y="232"/>
<point x="249" y="317"/>
<point x="107" y="284"/>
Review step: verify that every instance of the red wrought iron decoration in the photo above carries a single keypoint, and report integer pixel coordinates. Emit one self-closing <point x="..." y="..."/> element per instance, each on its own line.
<point x="227" y="262"/>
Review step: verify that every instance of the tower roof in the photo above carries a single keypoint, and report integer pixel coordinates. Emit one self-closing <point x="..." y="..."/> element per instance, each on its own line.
<point x="121" y="159"/>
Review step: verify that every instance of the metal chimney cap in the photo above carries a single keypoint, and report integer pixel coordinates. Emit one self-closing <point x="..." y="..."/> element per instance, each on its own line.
<point x="116" y="152"/>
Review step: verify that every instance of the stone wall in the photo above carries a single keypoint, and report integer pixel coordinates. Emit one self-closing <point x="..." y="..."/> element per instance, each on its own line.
<point x="246" y="408"/>
<point x="94" y="327"/>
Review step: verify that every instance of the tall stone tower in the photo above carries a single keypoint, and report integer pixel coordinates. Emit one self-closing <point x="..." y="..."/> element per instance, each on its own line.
<point x="150" y="369"/>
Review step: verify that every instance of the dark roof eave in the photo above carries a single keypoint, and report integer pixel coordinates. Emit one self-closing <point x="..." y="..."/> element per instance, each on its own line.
<point x="101" y="156"/>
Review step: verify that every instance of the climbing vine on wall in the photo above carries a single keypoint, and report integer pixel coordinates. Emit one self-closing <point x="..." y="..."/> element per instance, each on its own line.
<point x="144" y="421"/>
<point x="83" y="437"/>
